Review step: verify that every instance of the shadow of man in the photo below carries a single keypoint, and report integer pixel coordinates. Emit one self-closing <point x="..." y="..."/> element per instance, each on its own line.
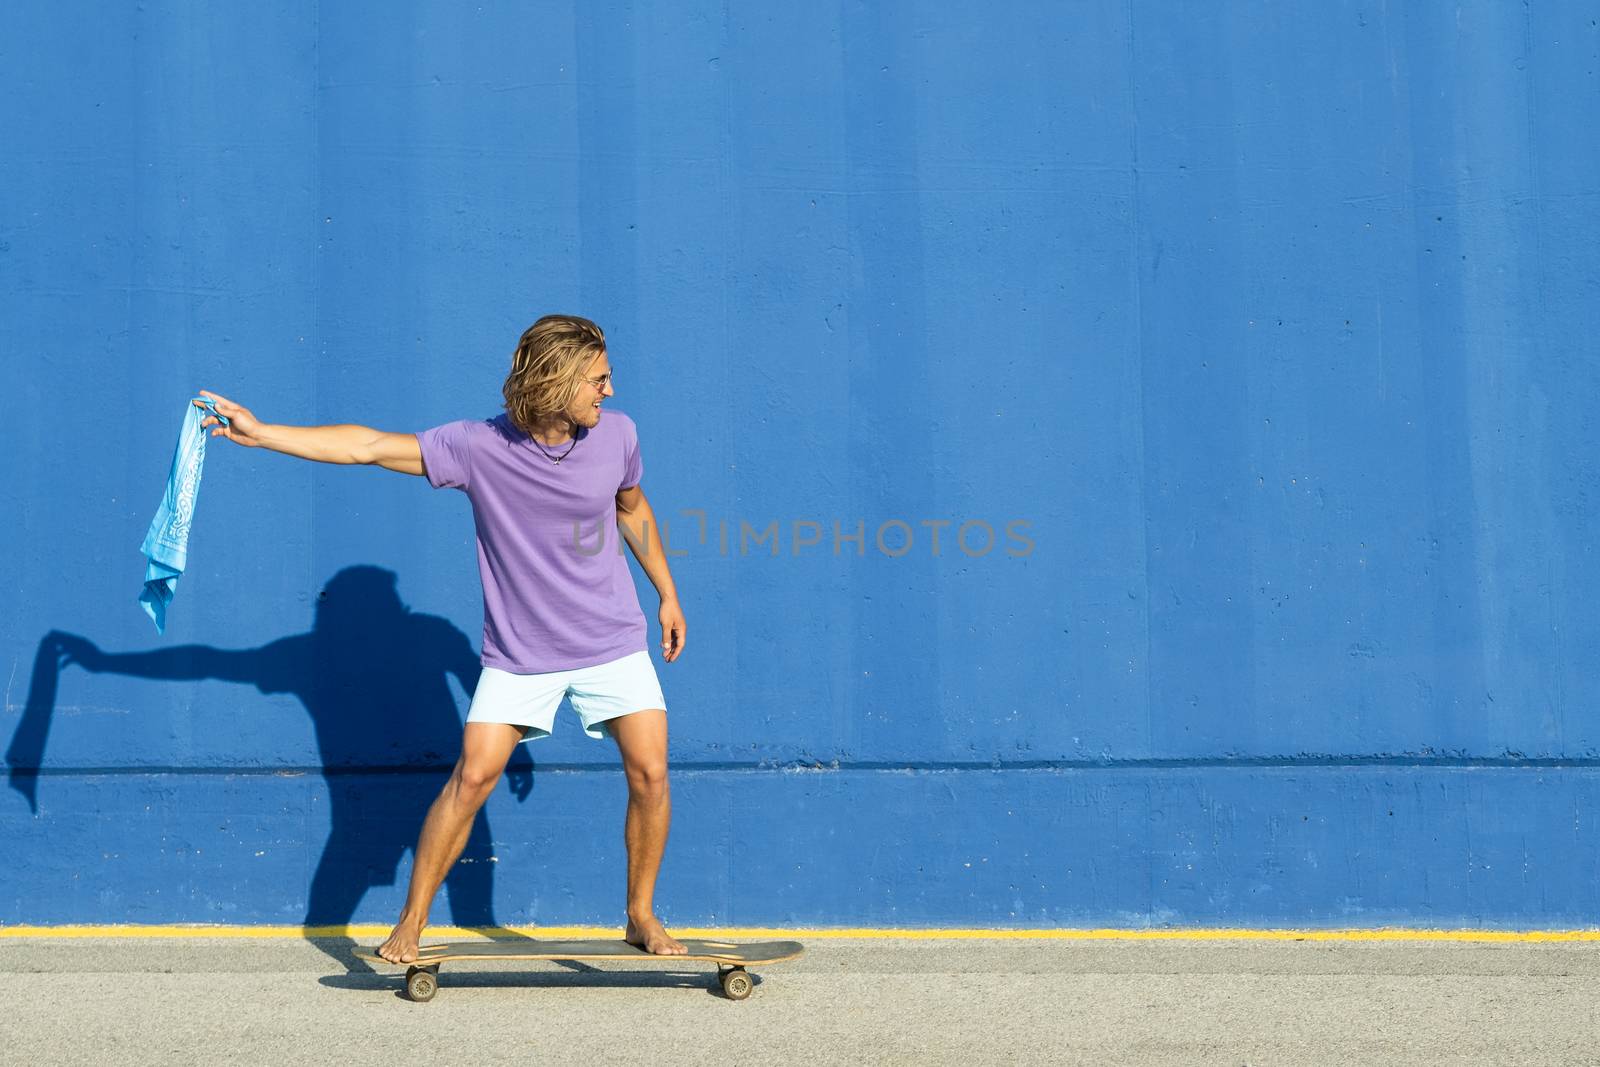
<point x="374" y="677"/>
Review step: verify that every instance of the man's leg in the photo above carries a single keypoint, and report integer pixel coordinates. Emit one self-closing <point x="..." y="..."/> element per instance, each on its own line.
<point x="485" y="748"/>
<point x="642" y="739"/>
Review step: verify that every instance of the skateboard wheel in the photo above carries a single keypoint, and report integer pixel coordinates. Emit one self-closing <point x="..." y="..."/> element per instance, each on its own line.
<point x="736" y="983"/>
<point x="421" y="983"/>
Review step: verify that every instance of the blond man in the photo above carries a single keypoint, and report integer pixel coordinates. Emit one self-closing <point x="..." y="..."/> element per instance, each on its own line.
<point x="548" y="479"/>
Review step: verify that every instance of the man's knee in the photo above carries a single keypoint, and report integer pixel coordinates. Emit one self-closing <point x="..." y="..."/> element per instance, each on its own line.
<point x="647" y="779"/>
<point x="475" y="781"/>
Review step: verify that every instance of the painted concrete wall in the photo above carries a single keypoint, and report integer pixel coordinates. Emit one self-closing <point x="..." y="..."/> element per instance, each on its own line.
<point x="1268" y="329"/>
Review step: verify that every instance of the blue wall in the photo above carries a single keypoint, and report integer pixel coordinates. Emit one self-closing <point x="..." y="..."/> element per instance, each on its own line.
<point x="1271" y="328"/>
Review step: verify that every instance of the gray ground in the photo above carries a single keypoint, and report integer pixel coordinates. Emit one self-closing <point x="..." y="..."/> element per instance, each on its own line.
<point x="177" y="1001"/>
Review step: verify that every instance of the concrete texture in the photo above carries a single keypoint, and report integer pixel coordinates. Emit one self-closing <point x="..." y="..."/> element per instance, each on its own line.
<point x="178" y="1001"/>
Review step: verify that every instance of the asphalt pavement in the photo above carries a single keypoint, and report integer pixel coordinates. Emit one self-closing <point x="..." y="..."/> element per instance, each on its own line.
<point x="848" y="1001"/>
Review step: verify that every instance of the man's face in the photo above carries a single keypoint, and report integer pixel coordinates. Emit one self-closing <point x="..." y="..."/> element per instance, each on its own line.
<point x="585" y="407"/>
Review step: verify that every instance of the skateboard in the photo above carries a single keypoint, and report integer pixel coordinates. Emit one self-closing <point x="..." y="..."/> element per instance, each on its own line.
<point x="422" y="974"/>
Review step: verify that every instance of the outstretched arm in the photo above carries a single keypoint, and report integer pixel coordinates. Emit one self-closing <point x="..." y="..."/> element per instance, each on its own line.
<point x="325" y="444"/>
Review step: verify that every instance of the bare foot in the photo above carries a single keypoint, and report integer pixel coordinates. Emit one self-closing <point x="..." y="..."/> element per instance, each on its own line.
<point x="402" y="944"/>
<point x="651" y="936"/>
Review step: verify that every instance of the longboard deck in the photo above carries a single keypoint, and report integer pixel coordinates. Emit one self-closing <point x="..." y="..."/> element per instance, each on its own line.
<point x="748" y="953"/>
<point x="730" y="957"/>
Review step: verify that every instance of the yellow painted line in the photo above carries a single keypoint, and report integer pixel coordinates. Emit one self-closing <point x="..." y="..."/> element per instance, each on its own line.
<point x="436" y="933"/>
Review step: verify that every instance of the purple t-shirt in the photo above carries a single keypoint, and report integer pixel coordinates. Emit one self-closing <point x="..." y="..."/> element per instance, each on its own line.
<point x="551" y="600"/>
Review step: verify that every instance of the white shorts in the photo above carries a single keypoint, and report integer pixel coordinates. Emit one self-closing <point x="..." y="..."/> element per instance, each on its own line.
<point x="601" y="692"/>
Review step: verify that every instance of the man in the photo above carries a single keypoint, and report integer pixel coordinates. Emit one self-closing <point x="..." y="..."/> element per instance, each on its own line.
<point x="546" y="479"/>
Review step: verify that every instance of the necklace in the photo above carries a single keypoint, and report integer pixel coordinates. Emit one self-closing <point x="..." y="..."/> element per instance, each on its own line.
<point x="555" y="459"/>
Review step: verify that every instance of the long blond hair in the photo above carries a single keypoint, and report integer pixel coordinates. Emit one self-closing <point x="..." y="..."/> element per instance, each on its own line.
<point x="547" y="368"/>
